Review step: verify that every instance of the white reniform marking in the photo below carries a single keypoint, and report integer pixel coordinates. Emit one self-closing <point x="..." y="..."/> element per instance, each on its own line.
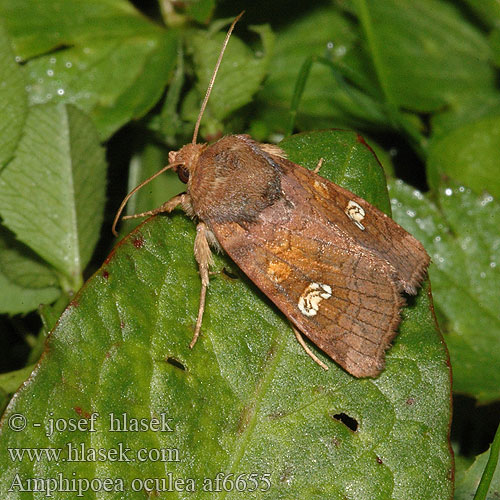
<point x="356" y="213"/>
<point x="311" y="297"/>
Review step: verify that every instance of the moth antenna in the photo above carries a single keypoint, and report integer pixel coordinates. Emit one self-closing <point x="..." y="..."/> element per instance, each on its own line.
<point x="141" y="185"/>
<point x="196" y="127"/>
<point x="212" y="80"/>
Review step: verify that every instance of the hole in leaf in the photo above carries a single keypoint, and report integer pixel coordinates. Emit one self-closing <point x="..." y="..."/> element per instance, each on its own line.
<point x="176" y="363"/>
<point x="348" y="421"/>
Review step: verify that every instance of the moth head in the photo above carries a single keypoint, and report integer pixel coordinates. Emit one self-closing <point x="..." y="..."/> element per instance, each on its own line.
<point x="187" y="156"/>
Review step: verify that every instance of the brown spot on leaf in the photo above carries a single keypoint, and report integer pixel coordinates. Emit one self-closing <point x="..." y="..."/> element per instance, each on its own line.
<point x="271" y="352"/>
<point x="244" y="419"/>
<point x="275" y="415"/>
<point x="361" y="140"/>
<point x="286" y="474"/>
<point x="80" y="412"/>
<point x="138" y="242"/>
<point x="113" y="348"/>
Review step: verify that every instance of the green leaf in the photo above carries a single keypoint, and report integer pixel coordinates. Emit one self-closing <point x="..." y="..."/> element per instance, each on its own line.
<point x="49" y="314"/>
<point x="104" y="57"/>
<point x="25" y="281"/>
<point x="21" y="266"/>
<point x="13" y="101"/>
<point x="52" y="193"/>
<point x="16" y="299"/>
<point x="161" y="189"/>
<point x="240" y="73"/>
<point x="463" y="110"/>
<point x="200" y="10"/>
<point x="10" y="383"/>
<point x="246" y="399"/>
<point x="467" y="484"/>
<point x="40" y="26"/>
<point x="494" y="39"/>
<point x="460" y="232"/>
<point x="487" y="10"/>
<point x="170" y="122"/>
<point x="323" y="32"/>
<point x="424" y="52"/>
<point x="469" y="155"/>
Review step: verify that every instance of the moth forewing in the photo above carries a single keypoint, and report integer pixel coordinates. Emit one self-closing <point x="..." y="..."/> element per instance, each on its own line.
<point x="322" y="270"/>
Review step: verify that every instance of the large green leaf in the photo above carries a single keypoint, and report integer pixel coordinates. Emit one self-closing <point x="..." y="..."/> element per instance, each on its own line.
<point x="25" y="281"/>
<point x="487" y="10"/>
<point x="52" y="192"/>
<point x="424" y="52"/>
<point x="468" y="154"/>
<point x="13" y="100"/>
<point x="464" y="110"/>
<point x="246" y="399"/>
<point x="460" y="232"/>
<point x="323" y="32"/>
<point x="16" y="299"/>
<point x="18" y="292"/>
<point x="10" y="382"/>
<point x="240" y="73"/>
<point x="21" y="266"/>
<point x="200" y="10"/>
<point x="104" y="57"/>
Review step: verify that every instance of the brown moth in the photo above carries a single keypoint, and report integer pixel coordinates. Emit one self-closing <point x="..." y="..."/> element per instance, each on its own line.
<point x="335" y="265"/>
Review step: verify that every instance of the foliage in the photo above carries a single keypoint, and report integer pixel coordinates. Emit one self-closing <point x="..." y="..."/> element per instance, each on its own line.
<point x="94" y="94"/>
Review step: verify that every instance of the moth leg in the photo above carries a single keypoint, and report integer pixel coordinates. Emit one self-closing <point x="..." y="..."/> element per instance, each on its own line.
<point x="315" y="358"/>
<point x="318" y="166"/>
<point x="168" y="206"/>
<point x="203" y="256"/>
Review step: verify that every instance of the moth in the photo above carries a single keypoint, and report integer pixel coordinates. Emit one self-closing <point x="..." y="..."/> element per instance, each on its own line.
<point x="335" y="265"/>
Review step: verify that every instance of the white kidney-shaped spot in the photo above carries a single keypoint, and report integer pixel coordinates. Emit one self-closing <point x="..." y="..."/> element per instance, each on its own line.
<point x="312" y="296"/>
<point x="356" y="213"/>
